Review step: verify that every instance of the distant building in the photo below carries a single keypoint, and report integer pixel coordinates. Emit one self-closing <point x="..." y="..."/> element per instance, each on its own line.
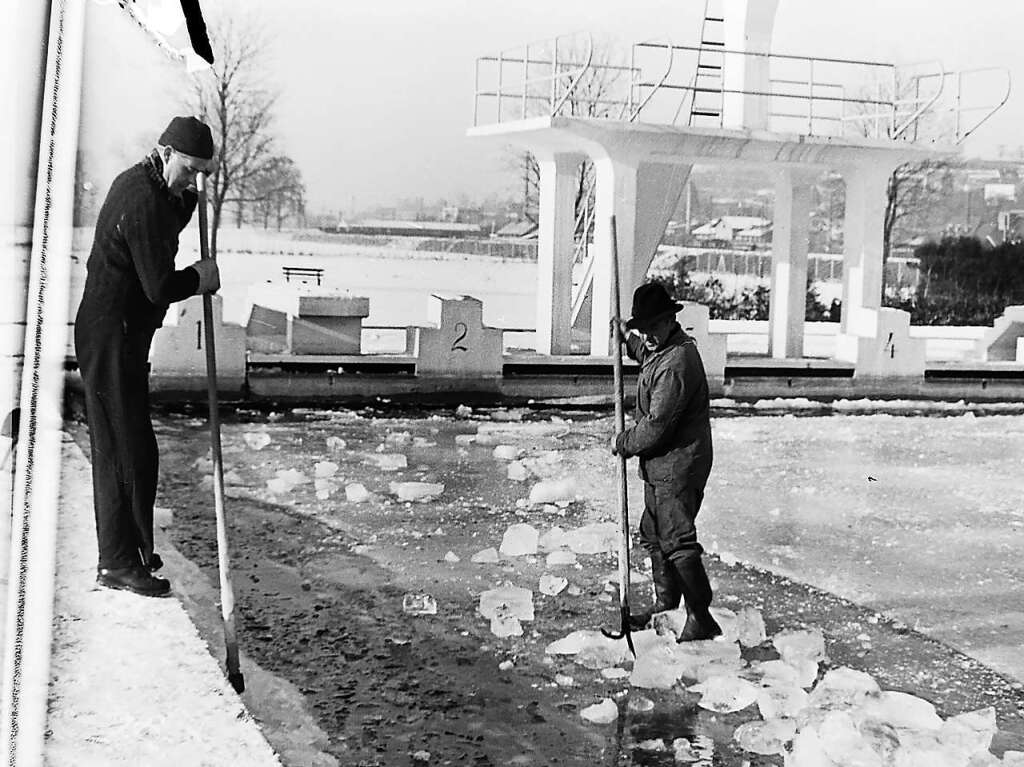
<point x="410" y="228"/>
<point x="734" y="232"/>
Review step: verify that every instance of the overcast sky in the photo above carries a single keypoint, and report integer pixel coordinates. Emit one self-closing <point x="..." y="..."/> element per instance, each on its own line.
<point x="376" y="97"/>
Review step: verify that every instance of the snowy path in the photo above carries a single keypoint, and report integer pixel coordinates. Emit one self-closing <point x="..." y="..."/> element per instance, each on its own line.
<point x="131" y="680"/>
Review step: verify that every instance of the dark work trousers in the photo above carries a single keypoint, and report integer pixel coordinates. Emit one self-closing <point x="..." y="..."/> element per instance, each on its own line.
<point x="115" y="372"/>
<point x="668" y="524"/>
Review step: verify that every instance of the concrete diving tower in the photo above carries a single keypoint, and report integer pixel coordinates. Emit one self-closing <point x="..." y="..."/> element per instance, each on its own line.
<point x="724" y="101"/>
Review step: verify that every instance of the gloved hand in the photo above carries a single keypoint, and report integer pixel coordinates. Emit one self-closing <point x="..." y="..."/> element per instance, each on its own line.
<point x="209" y="275"/>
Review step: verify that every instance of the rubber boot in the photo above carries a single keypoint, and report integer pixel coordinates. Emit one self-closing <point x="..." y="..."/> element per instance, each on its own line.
<point x="667" y="591"/>
<point x="696" y="588"/>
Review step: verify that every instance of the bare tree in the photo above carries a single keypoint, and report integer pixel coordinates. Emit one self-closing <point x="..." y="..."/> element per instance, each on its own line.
<point x="278" y="192"/>
<point x="234" y="99"/>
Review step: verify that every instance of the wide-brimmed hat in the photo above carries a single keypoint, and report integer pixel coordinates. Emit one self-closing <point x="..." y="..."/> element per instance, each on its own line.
<point x="651" y="302"/>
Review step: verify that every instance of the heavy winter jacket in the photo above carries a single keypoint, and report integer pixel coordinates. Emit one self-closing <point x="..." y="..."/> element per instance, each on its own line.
<point x="131" y="279"/>
<point x="672" y="432"/>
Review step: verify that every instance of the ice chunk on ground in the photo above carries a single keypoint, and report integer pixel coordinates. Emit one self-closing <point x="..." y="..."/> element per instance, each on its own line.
<point x="798" y="645"/>
<point x="549" y="491"/>
<point x="506" y="452"/>
<point x="638" y="704"/>
<point x="398" y="438"/>
<point x="597" y="650"/>
<point x="356" y="493"/>
<point x="233" y="478"/>
<point x="324" y="469"/>
<point x="564" y="680"/>
<point x="336" y="444"/>
<point x="506" y="665"/>
<point x="725" y="694"/>
<point x="421" y="442"/>
<point x="489" y="433"/>
<point x="781" y="702"/>
<point x="1013" y="758"/>
<point x="485" y="556"/>
<point x="324" y="487"/>
<point x="561" y="558"/>
<point x="416" y="491"/>
<point x="519" y="539"/>
<point x="604" y="712"/>
<point x="465" y="439"/>
<point x="552" y="585"/>
<point x="768" y="737"/>
<point x="388" y="461"/>
<point x="841" y="687"/>
<point x="808" y="750"/>
<point x="286" y="480"/>
<point x="517" y="471"/>
<point x="552" y="539"/>
<point x="901" y="709"/>
<point x="615" y="672"/>
<point x="452" y="557"/>
<point x="750" y="629"/>
<point x="844" y="743"/>
<point x="969" y="733"/>
<point x="504" y="624"/>
<point x="419" y="604"/>
<point x="463" y="411"/>
<point x="256" y="440"/>
<point x="682" y="751"/>
<point x="595" y="538"/>
<point x="507" y="599"/>
<point x="656" y="744"/>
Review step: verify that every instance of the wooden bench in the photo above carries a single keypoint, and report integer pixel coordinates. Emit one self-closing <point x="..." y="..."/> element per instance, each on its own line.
<point x="302" y="271"/>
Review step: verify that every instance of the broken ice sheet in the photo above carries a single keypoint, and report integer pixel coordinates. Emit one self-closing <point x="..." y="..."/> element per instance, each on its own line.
<point x="517" y="471"/>
<point x="842" y="687"/>
<point x="356" y="493"/>
<point x="388" y="461"/>
<point x="256" y="440"/>
<point x="781" y="702"/>
<point x="419" y="604"/>
<point x="560" y="558"/>
<point x="324" y="469"/>
<point x="750" y="630"/>
<point x="552" y="585"/>
<point x="485" y="556"/>
<point x="519" y="539"/>
<point x="549" y="491"/>
<point x="595" y="538"/>
<point x="416" y="491"/>
<point x="507" y="599"/>
<point x="969" y="733"/>
<point x="506" y="452"/>
<point x="768" y="737"/>
<point x="604" y="712"/>
<point x="725" y="694"/>
<point x="798" y="645"/>
<point x="336" y="444"/>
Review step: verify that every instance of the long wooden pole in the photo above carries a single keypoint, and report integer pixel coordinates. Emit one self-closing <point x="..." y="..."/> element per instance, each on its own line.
<point x="227" y="592"/>
<point x="620" y="426"/>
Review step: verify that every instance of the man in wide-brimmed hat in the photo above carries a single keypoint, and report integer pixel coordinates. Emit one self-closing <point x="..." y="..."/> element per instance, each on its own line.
<point x="672" y="438"/>
<point x="130" y="282"/>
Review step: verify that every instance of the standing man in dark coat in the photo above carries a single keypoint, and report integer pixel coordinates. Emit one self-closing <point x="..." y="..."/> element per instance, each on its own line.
<point x="131" y="281"/>
<point x="672" y="438"/>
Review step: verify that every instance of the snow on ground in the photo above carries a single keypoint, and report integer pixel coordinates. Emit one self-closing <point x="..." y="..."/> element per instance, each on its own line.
<point x="131" y="680"/>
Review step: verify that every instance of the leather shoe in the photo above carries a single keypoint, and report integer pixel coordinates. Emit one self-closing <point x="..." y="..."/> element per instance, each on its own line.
<point x="154" y="563"/>
<point x="137" y="580"/>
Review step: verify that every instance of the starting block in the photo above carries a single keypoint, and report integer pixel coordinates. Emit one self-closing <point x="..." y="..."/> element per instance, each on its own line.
<point x="879" y="345"/>
<point x="1004" y="341"/>
<point x="694" y="319"/>
<point x="178" y="353"/>
<point x="460" y="346"/>
<point x="302" y="319"/>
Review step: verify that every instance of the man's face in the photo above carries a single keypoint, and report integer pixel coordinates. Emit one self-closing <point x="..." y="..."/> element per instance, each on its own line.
<point x="180" y="170"/>
<point x="655" y="334"/>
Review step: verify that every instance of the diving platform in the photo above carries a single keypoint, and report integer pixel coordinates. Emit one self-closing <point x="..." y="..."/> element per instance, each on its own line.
<point x="623" y="138"/>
